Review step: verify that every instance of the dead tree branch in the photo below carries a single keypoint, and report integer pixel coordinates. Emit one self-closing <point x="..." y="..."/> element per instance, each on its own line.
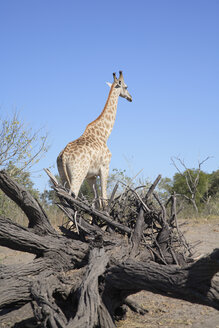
<point x="80" y="279"/>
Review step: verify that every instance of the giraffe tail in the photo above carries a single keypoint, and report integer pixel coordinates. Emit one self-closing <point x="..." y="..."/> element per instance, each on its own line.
<point x="63" y="173"/>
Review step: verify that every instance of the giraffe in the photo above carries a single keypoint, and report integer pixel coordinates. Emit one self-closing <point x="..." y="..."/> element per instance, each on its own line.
<point x="88" y="156"/>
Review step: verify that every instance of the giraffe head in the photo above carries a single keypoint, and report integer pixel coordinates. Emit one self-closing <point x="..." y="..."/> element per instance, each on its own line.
<point x="121" y="86"/>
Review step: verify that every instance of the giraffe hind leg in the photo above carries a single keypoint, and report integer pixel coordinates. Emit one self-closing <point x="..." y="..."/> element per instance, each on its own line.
<point x="76" y="179"/>
<point x="104" y="172"/>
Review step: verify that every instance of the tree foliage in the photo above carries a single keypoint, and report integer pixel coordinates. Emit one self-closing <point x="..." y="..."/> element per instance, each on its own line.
<point x="20" y="145"/>
<point x="214" y="184"/>
<point x="181" y="187"/>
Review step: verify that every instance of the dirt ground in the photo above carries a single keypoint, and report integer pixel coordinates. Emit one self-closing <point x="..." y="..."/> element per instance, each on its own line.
<point x="163" y="311"/>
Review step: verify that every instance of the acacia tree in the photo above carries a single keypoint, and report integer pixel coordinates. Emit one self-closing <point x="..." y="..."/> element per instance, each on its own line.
<point x="192" y="184"/>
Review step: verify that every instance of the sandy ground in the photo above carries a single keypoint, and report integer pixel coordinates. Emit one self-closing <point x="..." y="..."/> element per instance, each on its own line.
<point x="163" y="311"/>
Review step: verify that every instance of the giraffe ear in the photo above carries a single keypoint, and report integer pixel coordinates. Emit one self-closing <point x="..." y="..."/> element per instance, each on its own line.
<point x="109" y="84"/>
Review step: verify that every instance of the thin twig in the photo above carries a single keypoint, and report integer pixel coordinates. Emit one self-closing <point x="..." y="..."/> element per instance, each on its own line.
<point x="75" y="221"/>
<point x="162" y="208"/>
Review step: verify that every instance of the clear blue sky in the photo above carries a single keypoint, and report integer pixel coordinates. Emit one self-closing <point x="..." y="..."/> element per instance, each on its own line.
<point x="57" y="55"/>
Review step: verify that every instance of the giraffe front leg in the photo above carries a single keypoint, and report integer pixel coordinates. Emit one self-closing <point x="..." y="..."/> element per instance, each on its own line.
<point x="104" y="172"/>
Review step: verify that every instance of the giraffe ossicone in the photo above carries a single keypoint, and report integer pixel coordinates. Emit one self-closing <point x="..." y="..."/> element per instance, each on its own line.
<point x="88" y="156"/>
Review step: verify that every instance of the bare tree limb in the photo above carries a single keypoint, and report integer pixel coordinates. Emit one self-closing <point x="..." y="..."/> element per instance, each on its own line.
<point x="38" y="220"/>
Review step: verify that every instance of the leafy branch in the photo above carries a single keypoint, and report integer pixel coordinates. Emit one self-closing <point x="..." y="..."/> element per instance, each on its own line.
<point x="20" y="145"/>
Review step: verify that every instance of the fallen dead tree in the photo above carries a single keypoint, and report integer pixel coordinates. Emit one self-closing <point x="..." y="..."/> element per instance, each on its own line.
<point x="82" y="277"/>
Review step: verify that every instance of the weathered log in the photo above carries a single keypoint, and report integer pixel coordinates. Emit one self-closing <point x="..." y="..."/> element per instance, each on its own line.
<point x="37" y="217"/>
<point x="193" y="282"/>
<point x="80" y="279"/>
<point x="90" y="305"/>
<point x="19" y="238"/>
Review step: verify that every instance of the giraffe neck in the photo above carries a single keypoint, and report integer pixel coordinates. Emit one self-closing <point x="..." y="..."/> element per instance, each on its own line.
<point x="103" y="125"/>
